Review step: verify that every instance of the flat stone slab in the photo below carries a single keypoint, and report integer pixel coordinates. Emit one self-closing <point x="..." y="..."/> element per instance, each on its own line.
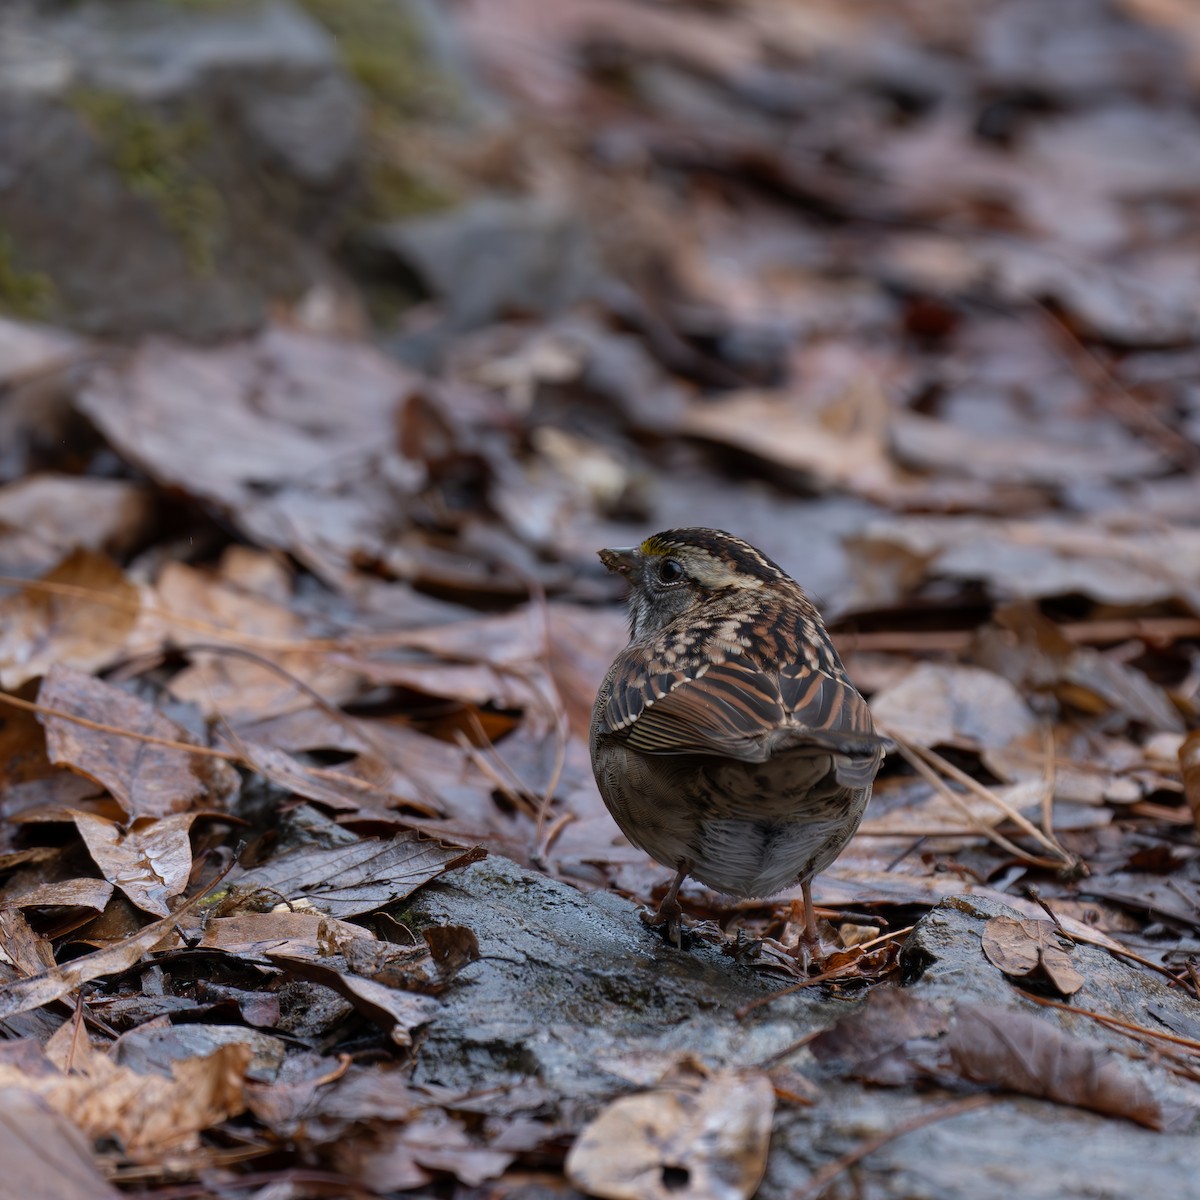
<point x="575" y="1002"/>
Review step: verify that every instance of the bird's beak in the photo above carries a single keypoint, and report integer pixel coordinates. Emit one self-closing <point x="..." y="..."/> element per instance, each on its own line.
<point x="621" y="561"/>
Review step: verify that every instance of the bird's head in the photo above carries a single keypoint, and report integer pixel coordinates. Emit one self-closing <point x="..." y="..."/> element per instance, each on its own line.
<point x="680" y="570"/>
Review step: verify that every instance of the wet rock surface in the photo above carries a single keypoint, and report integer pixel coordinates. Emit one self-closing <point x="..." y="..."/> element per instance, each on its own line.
<point x="170" y="167"/>
<point x="575" y="1002"/>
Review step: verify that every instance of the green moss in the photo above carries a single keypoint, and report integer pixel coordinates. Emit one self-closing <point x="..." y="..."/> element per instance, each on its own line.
<point x="394" y="191"/>
<point x="383" y="51"/>
<point x="155" y="157"/>
<point x="28" y="294"/>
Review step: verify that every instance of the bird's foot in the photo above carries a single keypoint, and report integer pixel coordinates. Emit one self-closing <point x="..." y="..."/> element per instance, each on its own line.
<point x="667" y="919"/>
<point x="809" y="951"/>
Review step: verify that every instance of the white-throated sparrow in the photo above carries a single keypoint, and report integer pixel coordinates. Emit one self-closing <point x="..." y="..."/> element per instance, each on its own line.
<point x="726" y="739"/>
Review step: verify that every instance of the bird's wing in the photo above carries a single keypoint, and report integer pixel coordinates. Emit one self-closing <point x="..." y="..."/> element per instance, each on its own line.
<point x="736" y="710"/>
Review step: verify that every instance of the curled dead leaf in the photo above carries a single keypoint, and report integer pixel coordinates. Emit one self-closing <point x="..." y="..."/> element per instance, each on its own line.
<point x="147" y="780"/>
<point x="150" y="861"/>
<point x="697" y="1137"/>
<point x="39" y="627"/>
<point x="1022" y="948"/>
<point x="1189" y="766"/>
<point x="1030" y="1055"/>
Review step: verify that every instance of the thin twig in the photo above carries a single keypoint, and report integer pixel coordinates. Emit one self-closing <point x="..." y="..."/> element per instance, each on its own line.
<point x="837" y="972"/>
<point x="101" y="727"/>
<point x="1157" y="630"/>
<point x="931" y="777"/>
<point x="1128" y="1027"/>
<point x="947" y="768"/>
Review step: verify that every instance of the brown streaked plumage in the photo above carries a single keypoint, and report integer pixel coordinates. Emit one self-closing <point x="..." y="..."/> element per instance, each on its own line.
<point x="726" y="739"/>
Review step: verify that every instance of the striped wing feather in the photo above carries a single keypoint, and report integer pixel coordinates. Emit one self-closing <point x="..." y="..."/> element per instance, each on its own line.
<point x="735" y="710"/>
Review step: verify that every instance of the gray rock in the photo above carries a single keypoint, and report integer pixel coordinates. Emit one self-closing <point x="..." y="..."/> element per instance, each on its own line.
<point x="572" y="994"/>
<point x="568" y="981"/>
<point x="168" y="167"/>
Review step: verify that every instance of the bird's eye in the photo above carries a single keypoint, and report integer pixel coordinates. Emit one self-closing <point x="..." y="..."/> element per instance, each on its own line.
<point x="670" y="570"/>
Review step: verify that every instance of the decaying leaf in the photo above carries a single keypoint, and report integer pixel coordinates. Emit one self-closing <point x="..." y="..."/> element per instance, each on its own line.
<point x="299" y="933"/>
<point x="149" y="1115"/>
<point x="874" y="1041"/>
<point x="697" y="1135"/>
<point x="943" y="704"/>
<point x="24" y="994"/>
<point x="40" y="628"/>
<point x="43" y="1152"/>
<point x="147" y="780"/>
<point x="1024" y="947"/>
<point x="397" y="1012"/>
<point x="361" y="876"/>
<point x="1189" y="766"/>
<point x="1030" y="1055"/>
<point x="400" y="1156"/>
<point x="20" y="947"/>
<point x="150" y="861"/>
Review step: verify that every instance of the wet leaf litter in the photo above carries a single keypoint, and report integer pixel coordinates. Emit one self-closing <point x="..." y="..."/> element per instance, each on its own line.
<point x="304" y="879"/>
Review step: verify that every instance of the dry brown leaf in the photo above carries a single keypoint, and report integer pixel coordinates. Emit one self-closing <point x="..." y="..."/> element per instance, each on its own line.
<point x="150" y="861"/>
<point x="397" y="1012"/>
<point x="247" y="597"/>
<point x="23" y="994"/>
<point x="696" y="1136"/>
<point x="782" y="431"/>
<point x="45" y="1156"/>
<point x="248" y="426"/>
<point x="39" y="629"/>
<point x="1030" y="1055"/>
<point x="145" y="779"/>
<point x="400" y="1156"/>
<point x="298" y="933"/>
<point x="65" y="893"/>
<point x="871" y="1041"/>
<point x="43" y="518"/>
<point x="1026" y="559"/>
<point x="1019" y="947"/>
<point x="151" y="1115"/>
<point x="20" y="947"/>
<point x="947" y="704"/>
<point x="1189" y="766"/>
<point x="344" y="881"/>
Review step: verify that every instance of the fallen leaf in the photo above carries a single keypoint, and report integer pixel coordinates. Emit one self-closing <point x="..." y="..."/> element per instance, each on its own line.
<point x="1020" y="947"/>
<point x="241" y="605"/>
<point x="1025" y="559"/>
<point x="39" y="629"/>
<point x="150" y="861"/>
<point x="300" y="933"/>
<point x="401" y="1156"/>
<point x="151" y="1116"/>
<point x="248" y="426"/>
<point x="156" y="1048"/>
<point x="873" y="1042"/>
<point x="23" y="994"/>
<point x="344" y="881"/>
<point x="20" y="947"/>
<point x="1189" y="766"/>
<point x="47" y="1158"/>
<point x="702" y="1136"/>
<point x="1028" y="1054"/>
<point x="397" y="1012"/>
<point x="146" y="780"/>
<point x="65" y="893"/>
<point x="947" y="704"/>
